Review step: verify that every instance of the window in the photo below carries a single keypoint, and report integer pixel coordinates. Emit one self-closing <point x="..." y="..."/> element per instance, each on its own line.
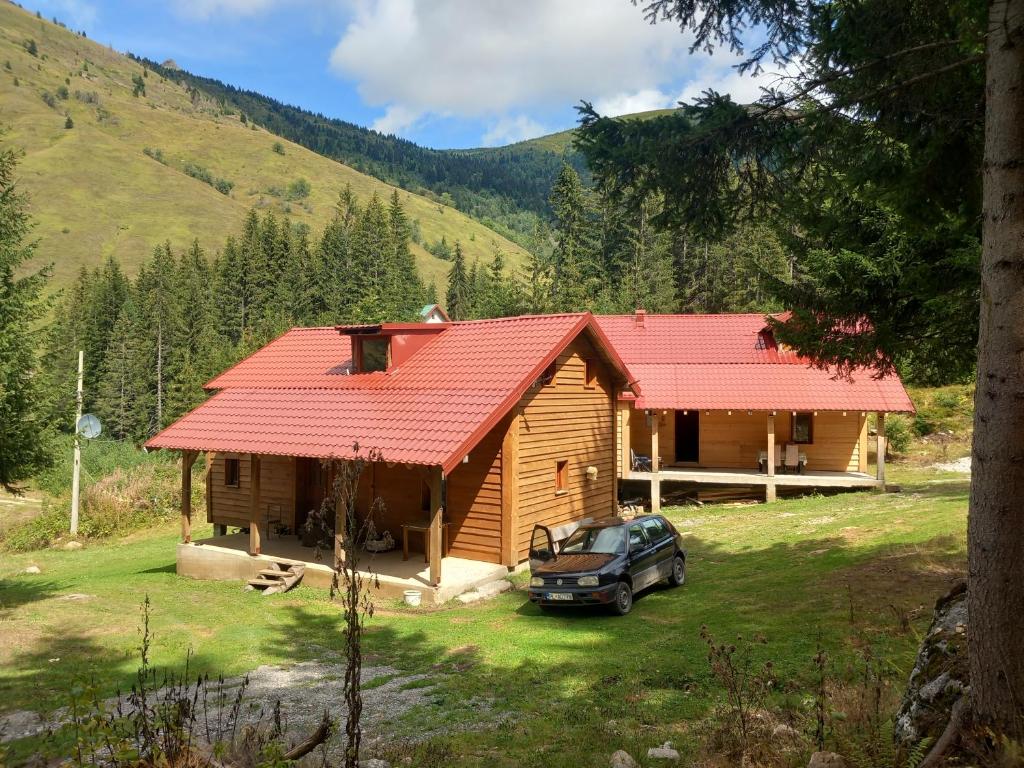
<point x="803" y="428"/>
<point x="231" y="472"/>
<point x="561" y="476"/>
<point x="637" y="539"/>
<point x="656" y="529"/>
<point x="373" y="355"/>
<point x="590" y="373"/>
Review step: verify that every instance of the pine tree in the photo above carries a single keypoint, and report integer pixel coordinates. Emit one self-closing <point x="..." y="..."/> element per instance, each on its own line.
<point x="458" y="297"/>
<point x="158" y="301"/>
<point x="124" y="377"/>
<point x="577" y="273"/>
<point x="407" y="285"/>
<point x="371" y="266"/>
<point x="23" y="432"/>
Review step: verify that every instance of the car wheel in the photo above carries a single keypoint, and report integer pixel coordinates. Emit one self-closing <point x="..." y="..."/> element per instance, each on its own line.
<point x="623" y="599"/>
<point x="678" y="575"/>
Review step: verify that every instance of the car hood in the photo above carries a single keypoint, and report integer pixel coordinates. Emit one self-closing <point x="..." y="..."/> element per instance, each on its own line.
<point x="583" y="562"/>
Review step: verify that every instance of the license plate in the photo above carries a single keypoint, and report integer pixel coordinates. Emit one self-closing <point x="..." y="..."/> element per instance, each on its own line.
<point x="558" y="596"/>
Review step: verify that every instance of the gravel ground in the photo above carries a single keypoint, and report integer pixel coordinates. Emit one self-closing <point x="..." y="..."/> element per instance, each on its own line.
<point x="960" y="465"/>
<point x="304" y="690"/>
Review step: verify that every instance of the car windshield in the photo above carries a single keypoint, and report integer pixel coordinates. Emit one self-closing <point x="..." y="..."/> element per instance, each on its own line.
<point x="604" y="541"/>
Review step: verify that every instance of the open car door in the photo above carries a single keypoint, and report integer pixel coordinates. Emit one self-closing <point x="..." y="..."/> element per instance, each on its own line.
<point x="542" y="547"/>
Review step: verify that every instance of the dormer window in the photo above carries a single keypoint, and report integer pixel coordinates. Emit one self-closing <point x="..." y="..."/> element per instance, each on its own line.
<point x="371" y="354"/>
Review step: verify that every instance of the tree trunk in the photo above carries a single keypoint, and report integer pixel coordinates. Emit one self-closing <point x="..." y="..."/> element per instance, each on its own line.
<point x="996" y="523"/>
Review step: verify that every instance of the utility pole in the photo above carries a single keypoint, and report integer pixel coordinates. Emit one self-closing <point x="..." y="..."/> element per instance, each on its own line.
<point x="76" y="477"/>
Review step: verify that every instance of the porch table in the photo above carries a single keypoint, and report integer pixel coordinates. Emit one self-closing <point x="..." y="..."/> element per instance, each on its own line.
<point x="423" y="528"/>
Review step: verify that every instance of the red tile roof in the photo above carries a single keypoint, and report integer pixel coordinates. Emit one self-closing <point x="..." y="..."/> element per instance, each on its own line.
<point x="295" y="397"/>
<point x="721" y="362"/>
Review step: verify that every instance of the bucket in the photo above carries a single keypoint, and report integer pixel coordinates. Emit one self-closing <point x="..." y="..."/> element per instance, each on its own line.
<point x="413" y="597"/>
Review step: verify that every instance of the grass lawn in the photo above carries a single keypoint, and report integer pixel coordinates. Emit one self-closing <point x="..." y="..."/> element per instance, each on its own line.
<point x="578" y="686"/>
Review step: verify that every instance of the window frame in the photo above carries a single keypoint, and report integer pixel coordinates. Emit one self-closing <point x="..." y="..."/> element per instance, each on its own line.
<point x="548" y="375"/>
<point x="810" y="427"/>
<point x="590" y="373"/>
<point x="561" y="476"/>
<point x="659" y="523"/>
<point x="359" y="358"/>
<point x="237" y="472"/>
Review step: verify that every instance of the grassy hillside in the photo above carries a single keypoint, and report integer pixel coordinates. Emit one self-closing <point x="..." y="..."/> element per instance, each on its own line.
<point x="561" y="143"/>
<point x="94" y="192"/>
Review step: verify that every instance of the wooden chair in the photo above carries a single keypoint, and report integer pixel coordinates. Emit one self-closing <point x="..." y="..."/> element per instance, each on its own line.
<point x="795" y="461"/>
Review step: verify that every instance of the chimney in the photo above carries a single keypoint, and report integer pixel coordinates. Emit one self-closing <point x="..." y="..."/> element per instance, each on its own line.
<point x="639" y="318"/>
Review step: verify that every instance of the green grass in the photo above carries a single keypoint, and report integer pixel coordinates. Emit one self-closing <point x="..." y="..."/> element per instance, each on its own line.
<point x="794" y="570"/>
<point x="94" y="193"/>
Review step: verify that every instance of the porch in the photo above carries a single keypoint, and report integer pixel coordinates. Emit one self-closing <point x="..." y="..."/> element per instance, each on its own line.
<point x="749" y="448"/>
<point x="227" y="557"/>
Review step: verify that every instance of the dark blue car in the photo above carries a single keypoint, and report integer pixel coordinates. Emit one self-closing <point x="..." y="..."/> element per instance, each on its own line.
<point x="605" y="562"/>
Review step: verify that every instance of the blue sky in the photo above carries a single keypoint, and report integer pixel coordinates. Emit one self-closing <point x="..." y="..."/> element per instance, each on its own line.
<point x="443" y="73"/>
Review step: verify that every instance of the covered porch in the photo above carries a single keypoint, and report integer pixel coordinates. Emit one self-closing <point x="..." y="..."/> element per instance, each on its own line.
<point x="227" y="556"/>
<point x="748" y="448"/>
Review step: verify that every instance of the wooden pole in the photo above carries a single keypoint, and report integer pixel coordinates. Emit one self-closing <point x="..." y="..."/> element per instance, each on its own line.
<point x="880" y="449"/>
<point x="254" y="504"/>
<point x="616" y="455"/>
<point x="188" y="458"/>
<point x="436" y="481"/>
<point x="626" y="460"/>
<point x="769" y="489"/>
<point x="509" y="493"/>
<point x="655" y="466"/>
<point x="76" y="475"/>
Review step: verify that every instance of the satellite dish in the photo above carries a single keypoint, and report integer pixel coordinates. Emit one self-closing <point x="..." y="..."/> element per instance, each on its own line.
<point x="89" y="426"/>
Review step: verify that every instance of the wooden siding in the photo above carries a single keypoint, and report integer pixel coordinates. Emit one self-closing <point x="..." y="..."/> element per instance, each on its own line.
<point x="734" y="441"/>
<point x="473" y="509"/>
<point x="566" y="420"/>
<point x="228" y="505"/>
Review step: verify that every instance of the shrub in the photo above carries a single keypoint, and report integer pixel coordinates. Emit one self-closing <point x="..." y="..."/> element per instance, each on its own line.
<point x="31" y="47"/>
<point x="16" y="82"/>
<point x="948" y="400"/>
<point x="139" y="84"/>
<point x="62" y="93"/>
<point x="923" y="425"/>
<point x="223" y="186"/>
<point x="156" y="154"/>
<point x="897" y="433"/>
<point x="69" y="123"/>
<point x="278" y="147"/>
<point x="49" y="99"/>
<point x="299" y="189"/>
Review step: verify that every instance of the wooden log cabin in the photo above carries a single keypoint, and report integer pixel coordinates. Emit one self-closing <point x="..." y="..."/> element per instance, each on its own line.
<point x="724" y="405"/>
<point x="482" y="430"/>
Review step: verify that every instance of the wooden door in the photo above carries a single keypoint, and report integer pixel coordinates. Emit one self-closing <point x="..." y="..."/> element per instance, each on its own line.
<point x="688" y="437"/>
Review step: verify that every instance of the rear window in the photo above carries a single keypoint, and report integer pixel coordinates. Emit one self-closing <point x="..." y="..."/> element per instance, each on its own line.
<point x="656" y="529"/>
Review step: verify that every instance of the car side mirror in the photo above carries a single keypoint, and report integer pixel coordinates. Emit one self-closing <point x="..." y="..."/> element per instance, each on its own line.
<point x="543" y="555"/>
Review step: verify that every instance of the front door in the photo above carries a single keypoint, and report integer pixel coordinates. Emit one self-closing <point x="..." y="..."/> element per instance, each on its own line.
<point x="688" y="436"/>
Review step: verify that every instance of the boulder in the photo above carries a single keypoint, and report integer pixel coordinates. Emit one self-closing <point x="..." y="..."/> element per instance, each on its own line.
<point x="72" y="545"/>
<point x="785" y="732"/>
<point x="32" y="569"/>
<point x="940" y="675"/>
<point x="826" y="760"/>
<point x="622" y="759"/>
<point x="374" y="762"/>
<point x="664" y="752"/>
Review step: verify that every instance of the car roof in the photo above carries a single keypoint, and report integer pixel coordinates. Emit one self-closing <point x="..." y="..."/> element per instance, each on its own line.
<point x="608" y="522"/>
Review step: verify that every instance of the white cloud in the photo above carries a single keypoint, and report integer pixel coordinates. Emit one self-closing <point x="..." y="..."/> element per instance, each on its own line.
<point x="493" y="58"/>
<point x="643" y="100"/>
<point x="717" y="72"/>
<point x="204" y="9"/>
<point x="509" y="130"/>
<point x="397" y="118"/>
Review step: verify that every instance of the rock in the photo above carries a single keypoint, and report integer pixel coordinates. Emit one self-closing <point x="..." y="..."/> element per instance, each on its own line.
<point x="374" y="762"/>
<point x="826" y="760"/>
<point x="940" y="675"/>
<point x="70" y="546"/>
<point x="32" y="569"/>
<point x="622" y="759"/>
<point x="664" y="752"/>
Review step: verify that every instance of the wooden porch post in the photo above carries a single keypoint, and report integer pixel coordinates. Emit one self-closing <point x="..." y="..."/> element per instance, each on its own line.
<point x="509" y="493"/>
<point x="254" y="504"/>
<point x="188" y="458"/>
<point x="880" y="448"/>
<point x="769" y="488"/>
<point x="625" y="458"/>
<point x="655" y="466"/>
<point x="436" y="480"/>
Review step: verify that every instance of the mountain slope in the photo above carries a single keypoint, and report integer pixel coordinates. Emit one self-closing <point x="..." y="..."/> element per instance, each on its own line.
<point x="488" y="183"/>
<point x="94" y="192"/>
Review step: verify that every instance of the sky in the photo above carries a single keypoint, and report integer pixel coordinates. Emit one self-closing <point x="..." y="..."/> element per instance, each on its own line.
<point x="442" y="73"/>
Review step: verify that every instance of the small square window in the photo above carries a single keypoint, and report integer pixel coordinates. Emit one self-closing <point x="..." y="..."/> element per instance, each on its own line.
<point x="590" y="373"/>
<point x="561" y="476"/>
<point x="803" y="428"/>
<point x="231" y="472"/>
<point x="373" y="355"/>
<point x="548" y="377"/>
